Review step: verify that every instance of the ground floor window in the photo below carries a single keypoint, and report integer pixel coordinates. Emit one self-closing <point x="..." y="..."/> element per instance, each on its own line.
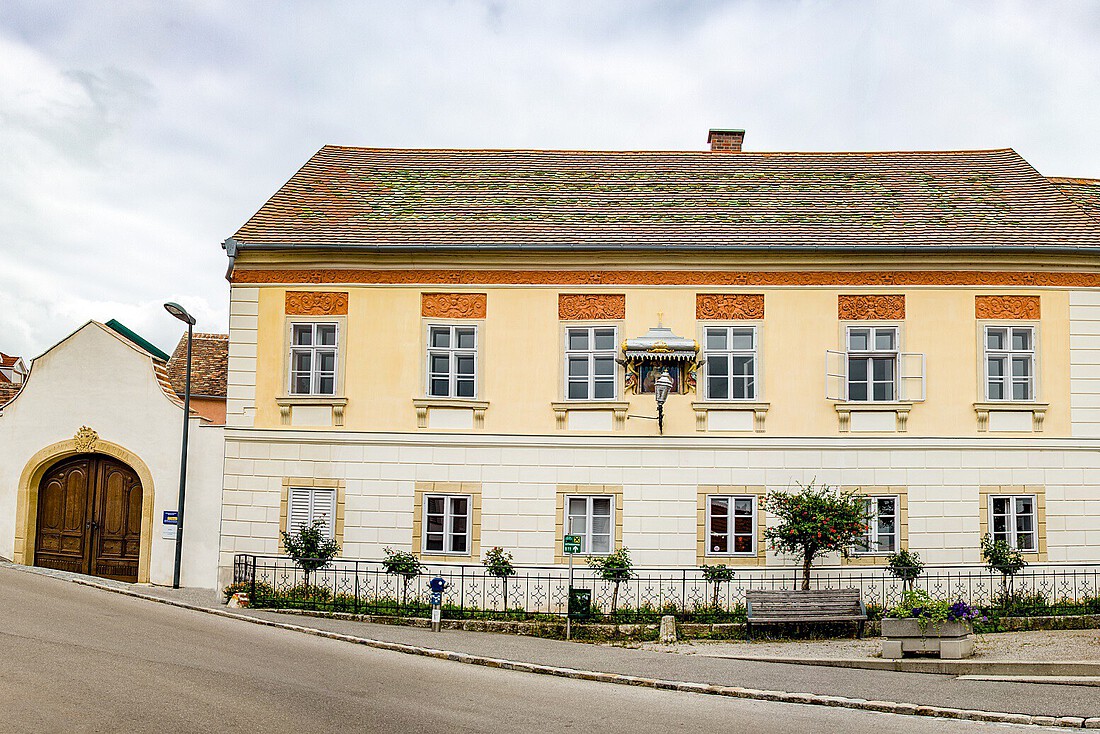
<point x="1012" y="519"/>
<point x="306" y="505"/>
<point x="447" y="524"/>
<point x="593" y="518"/>
<point x="882" y="526"/>
<point x="731" y="525"/>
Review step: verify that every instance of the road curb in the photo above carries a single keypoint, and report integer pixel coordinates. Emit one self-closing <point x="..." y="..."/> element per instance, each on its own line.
<point x="812" y="699"/>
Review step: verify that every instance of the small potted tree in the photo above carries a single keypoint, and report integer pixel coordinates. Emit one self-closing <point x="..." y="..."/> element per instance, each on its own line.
<point x="905" y="566"/>
<point x="616" y="568"/>
<point x="1002" y="558"/>
<point x="498" y="563"/>
<point x="716" y="575"/>
<point x="310" y="549"/>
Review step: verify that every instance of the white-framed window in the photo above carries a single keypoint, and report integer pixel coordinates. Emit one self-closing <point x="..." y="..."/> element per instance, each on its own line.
<point x="590" y="363"/>
<point x="1010" y="363"/>
<point x="306" y="505"/>
<point x="730" y="353"/>
<point x="313" y="358"/>
<point x="882" y="526"/>
<point x="452" y="361"/>
<point x="872" y="363"/>
<point x="1012" y="519"/>
<point x="447" y="524"/>
<point x="593" y="518"/>
<point x="731" y="525"/>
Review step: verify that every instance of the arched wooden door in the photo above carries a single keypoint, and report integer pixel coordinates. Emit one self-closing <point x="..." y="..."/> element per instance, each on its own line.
<point x="89" y="518"/>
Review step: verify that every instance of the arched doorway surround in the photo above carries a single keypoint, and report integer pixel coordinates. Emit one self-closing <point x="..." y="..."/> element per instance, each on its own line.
<point x="26" y="510"/>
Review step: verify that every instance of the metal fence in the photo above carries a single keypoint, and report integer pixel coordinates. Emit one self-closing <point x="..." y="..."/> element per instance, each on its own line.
<point x="364" y="587"/>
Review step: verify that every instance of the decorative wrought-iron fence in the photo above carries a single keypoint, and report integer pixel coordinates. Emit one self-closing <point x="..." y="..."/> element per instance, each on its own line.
<point x="364" y="587"/>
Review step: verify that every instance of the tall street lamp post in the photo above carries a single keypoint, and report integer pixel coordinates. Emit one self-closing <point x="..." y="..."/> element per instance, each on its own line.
<point x="181" y="313"/>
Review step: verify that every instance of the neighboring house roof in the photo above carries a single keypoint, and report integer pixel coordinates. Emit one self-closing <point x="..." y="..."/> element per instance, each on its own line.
<point x="389" y="199"/>
<point x="209" y="365"/>
<point x="7" y="392"/>
<point x="6" y="360"/>
<point x="1084" y="191"/>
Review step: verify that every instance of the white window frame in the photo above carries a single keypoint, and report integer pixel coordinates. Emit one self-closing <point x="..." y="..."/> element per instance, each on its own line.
<point x="729" y="353"/>
<point x="1011" y="536"/>
<point x="315" y="373"/>
<point x="320" y="502"/>
<point x="1008" y="354"/>
<point x="872" y="536"/>
<point x="588" y="534"/>
<point x="449" y="516"/>
<point x="452" y="352"/>
<point x="731" y="535"/>
<point x="870" y="355"/>
<point x="592" y="354"/>
<point x="909" y="369"/>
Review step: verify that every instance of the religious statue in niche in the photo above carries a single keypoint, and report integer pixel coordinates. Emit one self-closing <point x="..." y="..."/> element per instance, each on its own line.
<point x="650" y="371"/>
<point x="646" y="357"/>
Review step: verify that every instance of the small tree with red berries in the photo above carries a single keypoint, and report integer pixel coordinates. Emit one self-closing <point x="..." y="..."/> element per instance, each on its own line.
<point x="814" y="521"/>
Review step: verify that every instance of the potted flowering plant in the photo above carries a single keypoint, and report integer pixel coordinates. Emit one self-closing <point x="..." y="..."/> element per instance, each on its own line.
<point x="920" y="623"/>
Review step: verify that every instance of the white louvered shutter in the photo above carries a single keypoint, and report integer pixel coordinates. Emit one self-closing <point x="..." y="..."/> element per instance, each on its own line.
<point x="298" y="509"/>
<point x="911" y="376"/>
<point x="324" y="507"/>
<point x="836" y="375"/>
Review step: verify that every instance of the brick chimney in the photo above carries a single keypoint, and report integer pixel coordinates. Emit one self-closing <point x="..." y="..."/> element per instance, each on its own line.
<point x="725" y="141"/>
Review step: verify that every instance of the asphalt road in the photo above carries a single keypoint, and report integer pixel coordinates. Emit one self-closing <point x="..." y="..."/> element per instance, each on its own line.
<point x="75" y="659"/>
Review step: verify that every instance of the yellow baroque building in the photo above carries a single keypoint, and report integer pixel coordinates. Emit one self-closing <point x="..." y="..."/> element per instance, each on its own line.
<point x="448" y="350"/>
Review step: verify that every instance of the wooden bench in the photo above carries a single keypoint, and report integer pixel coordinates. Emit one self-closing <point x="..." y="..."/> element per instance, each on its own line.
<point x="795" y="607"/>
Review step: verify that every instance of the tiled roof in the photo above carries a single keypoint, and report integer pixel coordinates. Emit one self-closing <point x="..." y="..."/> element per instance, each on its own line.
<point x="378" y="199"/>
<point x="6" y="360"/>
<point x="1084" y="191"/>
<point x="7" y="392"/>
<point x="209" y="365"/>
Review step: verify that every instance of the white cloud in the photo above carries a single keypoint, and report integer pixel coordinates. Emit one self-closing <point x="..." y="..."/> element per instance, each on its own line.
<point x="135" y="137"/>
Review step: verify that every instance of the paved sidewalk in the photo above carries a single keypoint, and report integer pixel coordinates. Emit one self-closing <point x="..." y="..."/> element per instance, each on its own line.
<point x="921" y="689"/>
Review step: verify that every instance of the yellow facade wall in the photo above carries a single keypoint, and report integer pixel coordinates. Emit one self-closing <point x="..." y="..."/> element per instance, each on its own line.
<point x="520" y="358"/>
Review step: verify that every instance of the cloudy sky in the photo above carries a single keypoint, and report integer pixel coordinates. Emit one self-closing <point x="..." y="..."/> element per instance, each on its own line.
<point x="136" y="136"/>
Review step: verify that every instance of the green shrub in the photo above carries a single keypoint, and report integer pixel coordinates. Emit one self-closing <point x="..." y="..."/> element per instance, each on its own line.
<point x="905" y="566"/>
<point x="615" y="567"/>
<point x="263" y="591"/>
<point x="309" y="547"/>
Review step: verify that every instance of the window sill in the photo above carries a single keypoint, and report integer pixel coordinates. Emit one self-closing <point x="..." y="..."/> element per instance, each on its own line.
<point x="899" y="409"/>
<point x="618" y="409"/>
<point x="476" y="407"/>
<point x="1038" y="414"/>
<point x="336" y="402"/>
<point x="703" y="408"/>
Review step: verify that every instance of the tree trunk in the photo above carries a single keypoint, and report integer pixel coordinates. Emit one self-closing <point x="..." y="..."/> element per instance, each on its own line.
<point x="716" y="585"/>
<point x="505" y="579"/>
<point x="615" y="598"/>
<point x="807" y="562"/>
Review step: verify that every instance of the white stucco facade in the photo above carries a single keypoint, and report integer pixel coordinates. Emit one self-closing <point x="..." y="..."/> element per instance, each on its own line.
<point x="96" y="378"/>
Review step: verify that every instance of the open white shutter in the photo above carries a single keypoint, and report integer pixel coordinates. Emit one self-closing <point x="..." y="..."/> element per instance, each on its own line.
<point x="911" y="387"/>
<point x="298" y="509"/>
<point x="836" y="375"/>
<point x="324" y="506"/>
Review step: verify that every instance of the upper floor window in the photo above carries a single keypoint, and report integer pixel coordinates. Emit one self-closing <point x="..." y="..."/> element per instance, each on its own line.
<point x="447" y="524"/>
<point x="730" y="353"/>
<point x="307" y="505"/>
<point x="882" y="526"/>
<point x="452" y="361"/>
<point x="1010" y="363"/>
<point x="1012" y="519"/>
<point x="590" y="363"/>
<point x="313" y="359"/>
<point x="731" y="525"/>
<point x="872" y="363"/>
<point x="593" y="518"/>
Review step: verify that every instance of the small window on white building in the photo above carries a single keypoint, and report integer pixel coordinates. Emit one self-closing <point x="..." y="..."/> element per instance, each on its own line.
<point x="872" y="363"/>
<point x="306" y="505"/>
<point x="590" y="363"/>
<point x="446" y="524"/>
<point x="731" y="525"/>
<point x="1012" y="519"/>
<point x="313" y="349"/>
<point x="593" y="518"/>
<point x="452" y="361"/>
<point x="882" y="526"/>
<point x="1010" y="363"/>
<point x="730" y="353"/>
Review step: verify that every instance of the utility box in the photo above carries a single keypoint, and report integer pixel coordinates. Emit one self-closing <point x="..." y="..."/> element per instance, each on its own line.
<point x="580" y="603"/>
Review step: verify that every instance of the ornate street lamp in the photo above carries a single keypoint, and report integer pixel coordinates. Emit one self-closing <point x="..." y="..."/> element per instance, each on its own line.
<point x="661" y="387"/>
<point x="181" y="313"/>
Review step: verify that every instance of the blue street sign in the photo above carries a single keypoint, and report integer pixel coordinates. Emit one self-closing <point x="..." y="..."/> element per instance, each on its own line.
<point x="171" y="517"/>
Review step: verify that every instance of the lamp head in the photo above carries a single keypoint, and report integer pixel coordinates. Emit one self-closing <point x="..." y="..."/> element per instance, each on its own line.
<point x="661" y="387"/>
<point x="180" y="313"/>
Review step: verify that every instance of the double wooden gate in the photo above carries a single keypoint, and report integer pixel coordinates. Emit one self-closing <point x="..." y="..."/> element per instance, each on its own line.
<point x="89" y="518"/>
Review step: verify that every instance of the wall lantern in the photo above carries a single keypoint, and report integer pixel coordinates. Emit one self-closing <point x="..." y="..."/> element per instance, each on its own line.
<point x="661" y="389"/>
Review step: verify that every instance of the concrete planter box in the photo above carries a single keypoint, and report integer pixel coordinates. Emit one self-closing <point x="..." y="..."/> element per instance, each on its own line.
<point x="951" y="640"/>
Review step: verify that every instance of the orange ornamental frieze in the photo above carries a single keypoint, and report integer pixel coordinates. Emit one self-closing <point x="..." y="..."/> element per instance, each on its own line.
<point x="583" y="306"/>
<point x="722" y="306"/>
<point x="873" y="308"/>
<point x="316" y="303"/>
<point x="1006" y="307"/>
<point x="703" y="278"/>
<point x="453" y="305"/>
